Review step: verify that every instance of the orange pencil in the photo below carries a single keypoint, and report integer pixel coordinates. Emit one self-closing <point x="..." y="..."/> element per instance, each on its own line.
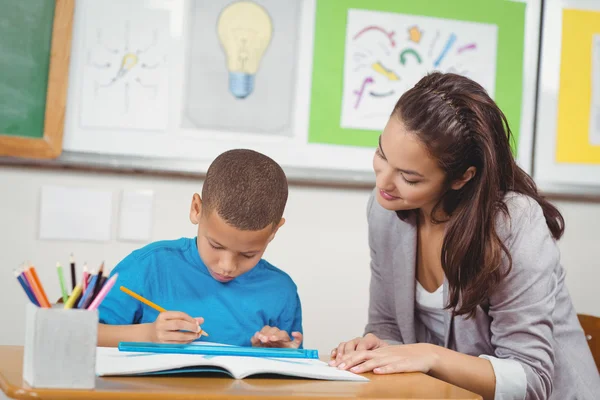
<point x="149" y="303"/>
<point x="44" y="301"/>
<point x="35" y="288"/>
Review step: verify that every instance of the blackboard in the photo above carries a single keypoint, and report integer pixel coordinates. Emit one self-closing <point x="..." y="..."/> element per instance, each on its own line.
<point x="35" y="41"/>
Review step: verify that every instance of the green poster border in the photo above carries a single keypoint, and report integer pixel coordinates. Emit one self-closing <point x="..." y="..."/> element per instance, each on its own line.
<point x="329" y="47"/>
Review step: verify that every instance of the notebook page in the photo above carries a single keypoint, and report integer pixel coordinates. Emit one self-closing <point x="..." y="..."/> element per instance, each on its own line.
<point x="111" y="361"/>
<point x="243" y="367"/>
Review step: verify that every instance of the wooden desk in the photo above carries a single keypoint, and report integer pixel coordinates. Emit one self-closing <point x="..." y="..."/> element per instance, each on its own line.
<point x="401" y="386"/>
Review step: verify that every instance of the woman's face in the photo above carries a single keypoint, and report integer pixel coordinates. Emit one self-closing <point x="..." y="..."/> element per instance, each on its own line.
<point x="407" y="177"/>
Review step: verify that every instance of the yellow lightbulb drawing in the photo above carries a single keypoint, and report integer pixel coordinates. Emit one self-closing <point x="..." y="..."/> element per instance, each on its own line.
<point x="245" y="30"/>
<point x="128" y="62"/>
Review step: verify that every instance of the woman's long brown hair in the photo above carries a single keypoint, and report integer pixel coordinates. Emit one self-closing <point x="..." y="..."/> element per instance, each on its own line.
<point x="461" y="126"/>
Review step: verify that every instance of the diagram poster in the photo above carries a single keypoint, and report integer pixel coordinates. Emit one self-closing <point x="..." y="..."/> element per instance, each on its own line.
<point x="367" y="53"/>
<point x="125" y="76"/>
<point x="578" y="124"/>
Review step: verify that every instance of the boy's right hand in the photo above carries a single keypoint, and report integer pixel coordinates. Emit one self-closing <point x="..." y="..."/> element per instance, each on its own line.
<point x="171" y="327"/>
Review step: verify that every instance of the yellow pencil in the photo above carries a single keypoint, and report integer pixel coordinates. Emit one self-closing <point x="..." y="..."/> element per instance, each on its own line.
<point x="149" y="303"/>
<point x="74" y="297"/>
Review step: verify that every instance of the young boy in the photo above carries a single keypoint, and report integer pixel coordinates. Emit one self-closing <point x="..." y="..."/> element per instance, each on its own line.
<point x="218" y="279"/>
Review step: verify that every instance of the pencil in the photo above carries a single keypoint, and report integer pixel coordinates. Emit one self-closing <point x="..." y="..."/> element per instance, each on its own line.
<point x="84" y="277"/>
<point x="87" y="295"/>
<point x="73" y="276"/>
<point x="103" y="292"/>
<point x="61" y="280"/>
<point x="36" y="286"/>
<point x="98" y="285"/>
<point x="25" y="286"/>
<point x="149" y="303"/>
<point x="73" y="298"/>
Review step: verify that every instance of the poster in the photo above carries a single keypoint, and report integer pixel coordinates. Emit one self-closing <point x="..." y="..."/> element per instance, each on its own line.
<point x="240" y="73"/>
<point x="594" y="131"/>
<point x="489" y="34"/>
<point x="125" y="71"/>
<point x="387" y="53"/>
<point x="578" y="125"/>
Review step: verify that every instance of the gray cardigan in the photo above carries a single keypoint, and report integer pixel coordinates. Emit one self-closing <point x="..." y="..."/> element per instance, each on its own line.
<point x="528" y="318"/>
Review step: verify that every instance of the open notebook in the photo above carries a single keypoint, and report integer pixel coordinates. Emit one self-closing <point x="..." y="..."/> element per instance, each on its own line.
<point x="112" y="362"/>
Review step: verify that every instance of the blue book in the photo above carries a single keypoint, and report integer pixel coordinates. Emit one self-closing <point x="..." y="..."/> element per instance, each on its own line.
<point x="207" y="350"/>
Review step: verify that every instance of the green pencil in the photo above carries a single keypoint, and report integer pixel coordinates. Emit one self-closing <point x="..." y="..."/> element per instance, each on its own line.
<point x="61" y="279"/>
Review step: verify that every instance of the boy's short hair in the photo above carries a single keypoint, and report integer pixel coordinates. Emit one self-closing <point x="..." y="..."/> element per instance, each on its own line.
<point x="246" y="188"/>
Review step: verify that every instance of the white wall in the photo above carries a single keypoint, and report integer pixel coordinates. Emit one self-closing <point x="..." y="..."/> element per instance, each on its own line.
<point x="323" y="246"/>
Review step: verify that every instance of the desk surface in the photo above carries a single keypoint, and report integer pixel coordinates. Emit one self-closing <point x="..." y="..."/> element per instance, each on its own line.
<point x="399" y="386"/>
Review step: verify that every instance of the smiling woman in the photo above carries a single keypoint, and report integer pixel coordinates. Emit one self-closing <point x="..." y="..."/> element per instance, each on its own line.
<point x="466" y="279"/>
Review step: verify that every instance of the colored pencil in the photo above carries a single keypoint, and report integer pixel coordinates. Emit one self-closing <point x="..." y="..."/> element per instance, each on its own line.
<point x="36" y="288"/>
<point x="84" y="277"/>
<point x="25" y="286"/>
<point x="87" y="295"/>
<point x="148" y="303"/>
<point x="73" y="298"/>
<point x="99" y="280"/>
<point x="103" y="292"/>
<point x="61" y="280"/>
<point x="73" y="276"/>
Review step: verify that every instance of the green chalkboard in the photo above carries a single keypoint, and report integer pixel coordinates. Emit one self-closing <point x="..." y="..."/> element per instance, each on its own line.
<point x="25" y="43"/>
<point x="35" y="47"/>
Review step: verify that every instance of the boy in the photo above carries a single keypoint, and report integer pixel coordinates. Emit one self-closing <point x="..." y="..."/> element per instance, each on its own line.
<point x="219" y="275"/>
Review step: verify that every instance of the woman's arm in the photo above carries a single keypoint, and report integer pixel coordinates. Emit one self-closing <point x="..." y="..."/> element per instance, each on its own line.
<point x="382" y="315"/>
<point x="472" y="373"/>
<point x="522" y="305"/>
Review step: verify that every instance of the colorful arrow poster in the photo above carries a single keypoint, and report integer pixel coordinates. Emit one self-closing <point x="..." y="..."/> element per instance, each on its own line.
<point x="387" y="53"/>
<point x="368" y="52"/>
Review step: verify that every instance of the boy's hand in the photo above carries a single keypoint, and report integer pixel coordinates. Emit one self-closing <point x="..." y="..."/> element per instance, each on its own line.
<point x="171" y="327"/>
<point x="269" y="336"/>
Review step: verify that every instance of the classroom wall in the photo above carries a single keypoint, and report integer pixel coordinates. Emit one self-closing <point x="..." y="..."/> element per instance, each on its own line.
<point x="323" y="246"/>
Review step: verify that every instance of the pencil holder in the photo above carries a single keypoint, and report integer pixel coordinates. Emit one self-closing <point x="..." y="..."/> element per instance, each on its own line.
<point x="60" y="348"/>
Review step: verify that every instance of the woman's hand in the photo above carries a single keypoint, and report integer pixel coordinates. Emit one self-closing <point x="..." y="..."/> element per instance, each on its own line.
<point x="368" y="342"/>
<point x="420" y="357"/>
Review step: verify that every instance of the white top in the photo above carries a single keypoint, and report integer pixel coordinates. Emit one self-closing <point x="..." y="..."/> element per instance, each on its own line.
<point x="511" y="382"/>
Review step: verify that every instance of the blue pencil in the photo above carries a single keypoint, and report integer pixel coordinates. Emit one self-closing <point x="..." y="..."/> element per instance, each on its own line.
<point x="25" y="286"/>
<point x="86" y="298"/>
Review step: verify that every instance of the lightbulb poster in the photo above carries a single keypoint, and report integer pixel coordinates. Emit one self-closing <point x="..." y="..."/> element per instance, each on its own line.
<point x="242" y="58"/>
<point x="368" y="52"/>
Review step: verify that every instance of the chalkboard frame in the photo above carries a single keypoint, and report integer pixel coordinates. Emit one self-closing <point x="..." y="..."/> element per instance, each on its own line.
<point x="50" y="145"/>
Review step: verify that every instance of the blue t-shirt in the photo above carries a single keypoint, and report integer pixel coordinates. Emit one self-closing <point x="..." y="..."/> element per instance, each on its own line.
<point x="172" y="275"/>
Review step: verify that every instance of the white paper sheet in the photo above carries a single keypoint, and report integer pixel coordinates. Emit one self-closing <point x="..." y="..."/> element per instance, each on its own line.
<point x="135" y="220"/>
<point x="74" y="213"/>
<point x="387" y="53"/>
<point x="125" y="82"/>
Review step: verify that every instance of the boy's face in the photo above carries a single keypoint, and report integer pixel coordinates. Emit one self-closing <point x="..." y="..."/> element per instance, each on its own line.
<point x="227" y="251"/>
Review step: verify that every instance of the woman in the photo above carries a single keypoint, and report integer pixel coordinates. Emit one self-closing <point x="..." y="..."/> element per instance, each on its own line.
<point x="466" y="281"/>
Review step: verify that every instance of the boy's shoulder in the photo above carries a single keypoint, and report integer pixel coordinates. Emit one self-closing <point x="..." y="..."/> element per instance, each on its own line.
<point x="163" y="247"/>
<point x="155" y="254"/>
<point x="276" y="275"/>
